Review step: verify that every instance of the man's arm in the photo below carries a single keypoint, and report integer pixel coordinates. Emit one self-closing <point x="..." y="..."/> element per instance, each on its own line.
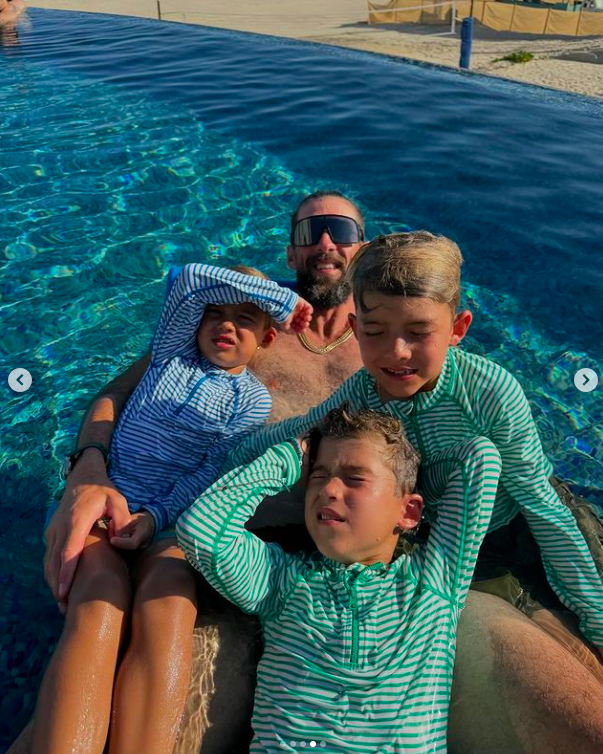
<point x="101" y="418"/>
<point x="89" y="494"/>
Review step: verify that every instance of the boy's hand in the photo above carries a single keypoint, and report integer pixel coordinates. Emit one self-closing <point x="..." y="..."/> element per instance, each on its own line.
<point x="302" y="445"/>
<point x="300" y="317"/>
<point x="86" y="499"/>
<point x="138" y="533"/>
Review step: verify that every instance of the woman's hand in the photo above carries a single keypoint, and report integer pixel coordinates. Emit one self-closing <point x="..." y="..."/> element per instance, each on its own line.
<point x="138" y="533"/>
<point x="300" y="317"/>
<point x="85" y="500"/>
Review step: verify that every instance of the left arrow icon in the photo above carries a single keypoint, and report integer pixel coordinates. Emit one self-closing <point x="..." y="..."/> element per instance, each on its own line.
<point x="19" y="380"/>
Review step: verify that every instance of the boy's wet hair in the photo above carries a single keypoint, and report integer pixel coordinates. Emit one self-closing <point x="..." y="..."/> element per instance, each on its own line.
<point x="418" y="264"/>
<point x="326" y="194"/>
<point x="245" y="270"/>
<point x="400" y="456"/>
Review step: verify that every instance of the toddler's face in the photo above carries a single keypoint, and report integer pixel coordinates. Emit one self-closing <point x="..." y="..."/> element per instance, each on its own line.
<point x="403" y="341"/>
<point x="229" y="335"/>
<point x="353" y="503"/>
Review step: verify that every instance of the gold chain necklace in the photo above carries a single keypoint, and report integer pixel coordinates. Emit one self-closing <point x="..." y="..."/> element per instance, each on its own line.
<point x="321" y="350"/>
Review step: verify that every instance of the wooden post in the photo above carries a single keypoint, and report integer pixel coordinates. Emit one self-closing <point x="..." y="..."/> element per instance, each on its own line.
<point x="159" y="10"/>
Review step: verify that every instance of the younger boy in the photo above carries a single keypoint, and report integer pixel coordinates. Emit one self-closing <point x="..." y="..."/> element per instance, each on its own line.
<point x="358" y="644"/>
<point x="197" y="399"/>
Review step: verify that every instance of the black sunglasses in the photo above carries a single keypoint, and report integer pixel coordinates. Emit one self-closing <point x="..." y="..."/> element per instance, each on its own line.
<point x="343" y="230"/>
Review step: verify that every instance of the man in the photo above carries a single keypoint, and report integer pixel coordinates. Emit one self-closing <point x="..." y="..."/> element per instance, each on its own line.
<point x="502" y="701"/>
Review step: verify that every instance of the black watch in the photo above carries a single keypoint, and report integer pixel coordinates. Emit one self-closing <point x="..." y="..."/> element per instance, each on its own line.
<point x="72" y="459"/>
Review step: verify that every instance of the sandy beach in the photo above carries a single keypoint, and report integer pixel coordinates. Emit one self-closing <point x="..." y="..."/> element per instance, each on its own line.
<point x="345" y="23"/>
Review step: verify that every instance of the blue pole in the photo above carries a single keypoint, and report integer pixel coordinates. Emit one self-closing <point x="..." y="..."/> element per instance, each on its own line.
<point x="466" y="40"/>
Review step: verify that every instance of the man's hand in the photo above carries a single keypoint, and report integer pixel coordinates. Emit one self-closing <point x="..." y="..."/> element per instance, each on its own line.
<point x="300" y="317"/>
<point x="138" y="533"/>
<point x="83" y="503"/>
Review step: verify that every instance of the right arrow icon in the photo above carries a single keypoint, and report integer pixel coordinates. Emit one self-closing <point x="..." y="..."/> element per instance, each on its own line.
<point x="586" y="380"/>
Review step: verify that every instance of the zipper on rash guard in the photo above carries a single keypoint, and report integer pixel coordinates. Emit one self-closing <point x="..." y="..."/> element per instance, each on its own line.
<point x="189" y="397"/>
<point x="351" y="588"/>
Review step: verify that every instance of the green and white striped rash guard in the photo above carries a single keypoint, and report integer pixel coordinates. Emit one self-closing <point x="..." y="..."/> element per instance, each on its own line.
<point x="356" y="658"/>
<point x="476" y="397"/>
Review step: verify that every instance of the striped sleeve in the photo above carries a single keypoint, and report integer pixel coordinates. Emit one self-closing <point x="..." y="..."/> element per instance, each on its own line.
<point x="351" y="391"/>
<point x="202" y="284"/>
<point x="569" y="566"/>
<point x="462" y="482"/>
<point x="251" y="409"/>
<point x="249" y="572"/>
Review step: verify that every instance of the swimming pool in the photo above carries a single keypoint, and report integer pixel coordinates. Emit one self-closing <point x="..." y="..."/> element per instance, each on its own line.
<point x="130" y="145"/>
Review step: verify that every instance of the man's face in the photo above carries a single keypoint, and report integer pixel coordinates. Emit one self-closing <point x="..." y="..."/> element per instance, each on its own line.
<point x="321" y="268"/>
<point x="353" y="503"/>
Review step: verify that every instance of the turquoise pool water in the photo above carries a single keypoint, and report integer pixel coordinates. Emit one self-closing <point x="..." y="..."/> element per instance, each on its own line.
<point x="119" y="159"/>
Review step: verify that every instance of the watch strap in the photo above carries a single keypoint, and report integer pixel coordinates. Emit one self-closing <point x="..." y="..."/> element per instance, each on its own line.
<point x="77" y="454"/>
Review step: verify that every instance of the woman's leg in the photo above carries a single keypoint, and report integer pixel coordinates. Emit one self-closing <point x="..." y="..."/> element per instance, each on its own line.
<point x="74" y="704"/>
<point x="153" y="679"/>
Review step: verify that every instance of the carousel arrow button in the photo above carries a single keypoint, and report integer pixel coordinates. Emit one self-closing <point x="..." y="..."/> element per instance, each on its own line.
<point x="586" y="380"/>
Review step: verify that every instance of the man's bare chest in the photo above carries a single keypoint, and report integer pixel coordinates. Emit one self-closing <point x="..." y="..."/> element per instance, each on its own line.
<point x="298" y="378"/>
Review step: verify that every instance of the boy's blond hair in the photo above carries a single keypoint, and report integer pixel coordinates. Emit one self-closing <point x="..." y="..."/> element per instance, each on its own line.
<point x="244" y="270"/>
<point x="417" y="264"/>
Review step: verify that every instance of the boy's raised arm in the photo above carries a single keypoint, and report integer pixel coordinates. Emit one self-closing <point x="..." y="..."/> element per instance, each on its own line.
<point x="202" y="284"/>
<point x="568" y="563"/>
<point x="243" y="568"/>
<point x="463" y="479"/>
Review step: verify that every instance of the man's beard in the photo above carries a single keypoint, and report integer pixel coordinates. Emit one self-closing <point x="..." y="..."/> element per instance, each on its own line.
<point x="322" y="295"/>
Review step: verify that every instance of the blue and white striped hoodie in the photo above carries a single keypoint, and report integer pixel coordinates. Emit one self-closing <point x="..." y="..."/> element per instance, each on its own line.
<point x="187" y="414"/>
